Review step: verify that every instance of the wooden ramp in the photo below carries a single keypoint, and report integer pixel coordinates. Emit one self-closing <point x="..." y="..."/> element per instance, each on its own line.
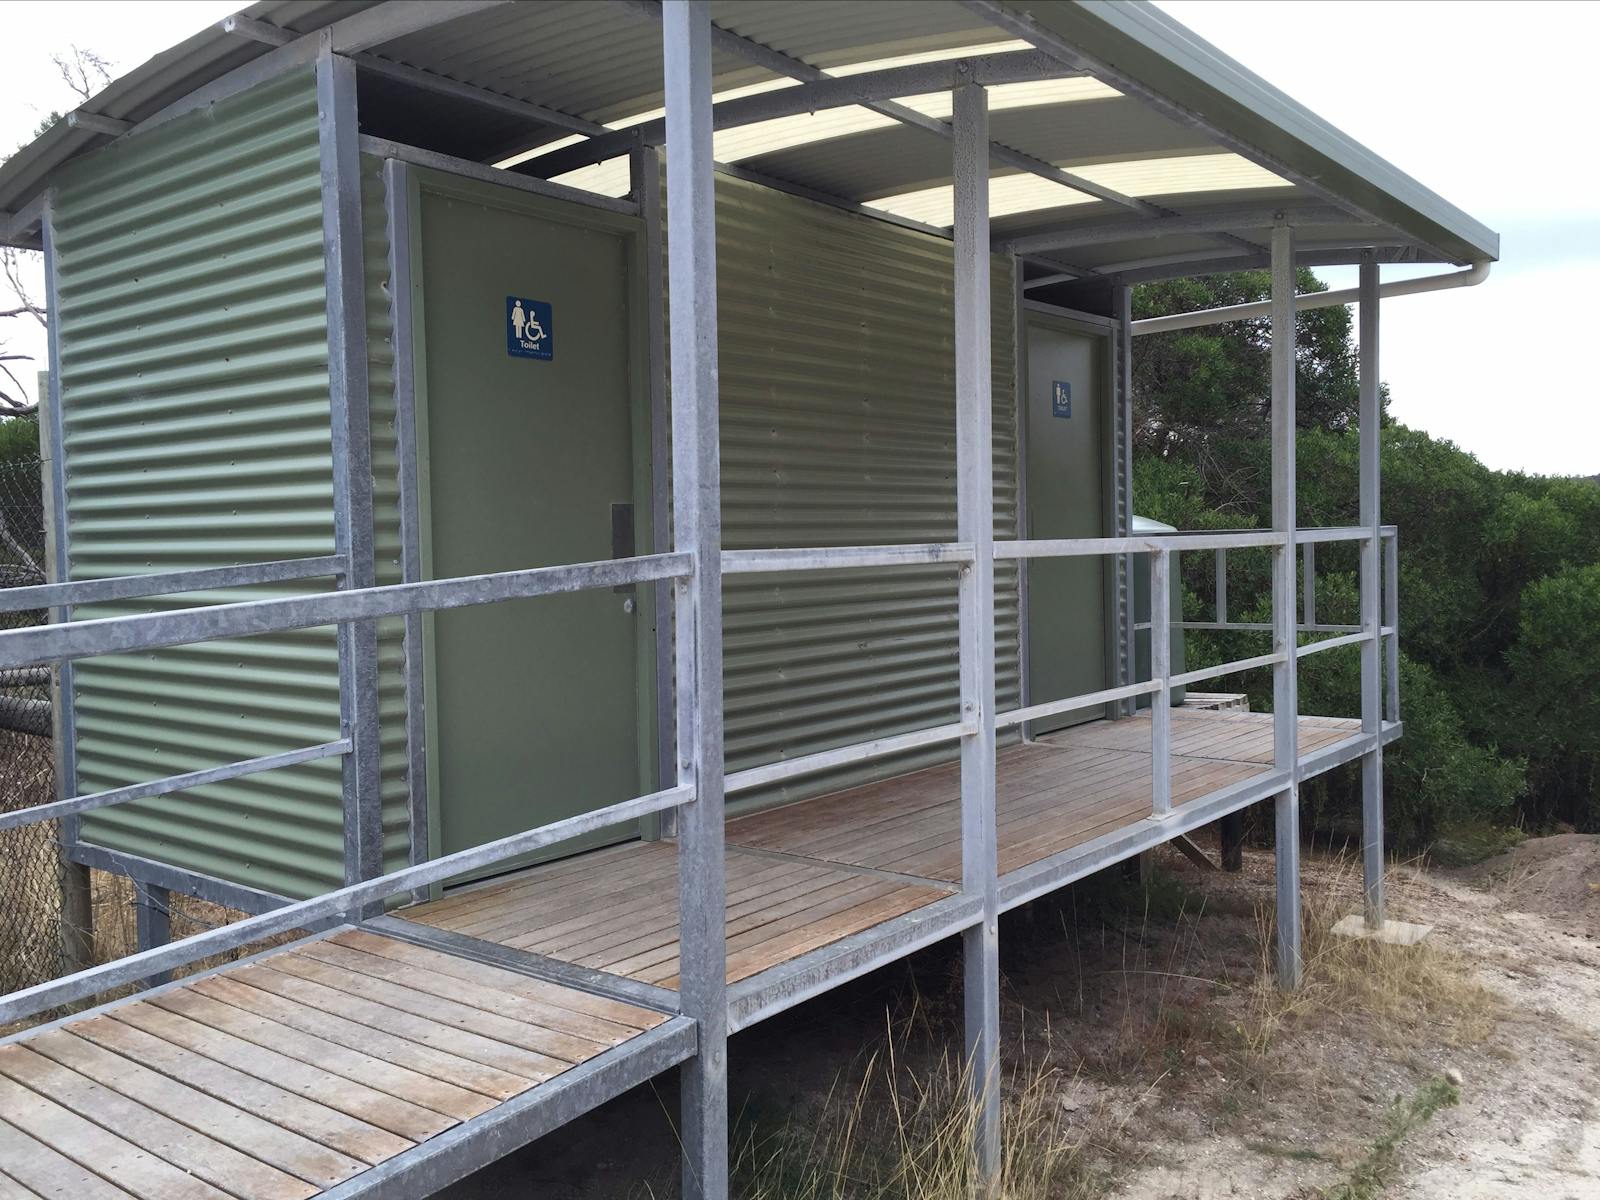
<point x="289" y="1076"/>
<point x="819" y="872"/>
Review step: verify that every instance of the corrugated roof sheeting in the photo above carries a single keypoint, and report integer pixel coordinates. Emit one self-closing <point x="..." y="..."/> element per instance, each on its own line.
<point x="838" y="428"/>
<point x="829" y="33"/>
<point x="546" y="53"/>
<point x="194" y="385"/>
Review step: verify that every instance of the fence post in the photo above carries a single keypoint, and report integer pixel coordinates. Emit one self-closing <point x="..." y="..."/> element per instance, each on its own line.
<point x="697" y="528"/>
<point x="1161" y="670"/>
<point x="975" y="608"/>
<point x="1285" y="690"/>
<point x="77" y="899"/>
<point x="1371" y="604"/>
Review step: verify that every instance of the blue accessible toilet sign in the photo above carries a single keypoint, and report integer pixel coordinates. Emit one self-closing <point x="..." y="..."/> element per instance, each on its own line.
<point x="530" y="328"/>
<point x="1060" y="398"/>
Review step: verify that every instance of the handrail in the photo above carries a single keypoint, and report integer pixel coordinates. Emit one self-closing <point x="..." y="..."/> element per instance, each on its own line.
<point x="810" y="764"/>
<point x="1051" y="708"/>
<point x="840" y="558"/>
<point x="108" y="635"/>
<point x="333" y="905"/>
<point x="1227" y="668"/>
<point x="169" y="783"/>
<point x="1143" y="544"/>
<point x="166" y="583"/>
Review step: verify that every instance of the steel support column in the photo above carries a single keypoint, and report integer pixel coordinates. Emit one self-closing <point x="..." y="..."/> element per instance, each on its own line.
<point x="697" y="526"/>
<point x="352" y="457"/>
<point x="1122" y="475"/>
<point x="645" y="190"/>
<point x="1285" y="691"/>
<point x="152" y="921"/>
<point x="1161" y="567"/>
<point x="975" y="524"/>
<point x="1371" y="605"/>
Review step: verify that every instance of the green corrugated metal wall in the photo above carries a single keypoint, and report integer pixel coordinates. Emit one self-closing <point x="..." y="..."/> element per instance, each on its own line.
<point x="194" y="391"/>
<point x="194" y="386"/>
<point x="838" y="428"/>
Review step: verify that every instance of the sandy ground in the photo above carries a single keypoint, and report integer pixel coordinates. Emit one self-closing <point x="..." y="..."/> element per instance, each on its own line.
<point x="1143" y="1011"/>
<point x="1527" y="927"/>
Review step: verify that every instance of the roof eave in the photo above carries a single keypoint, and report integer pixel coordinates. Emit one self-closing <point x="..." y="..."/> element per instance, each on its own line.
<point x="1138" y="48"/>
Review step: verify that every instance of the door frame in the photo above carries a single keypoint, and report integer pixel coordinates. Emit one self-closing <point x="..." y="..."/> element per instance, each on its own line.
<point x="1066" y="320"/>
<point x="648" y="717"/>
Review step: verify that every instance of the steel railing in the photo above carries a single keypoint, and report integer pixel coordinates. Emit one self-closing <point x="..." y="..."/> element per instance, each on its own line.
<point x="73" y="640"/>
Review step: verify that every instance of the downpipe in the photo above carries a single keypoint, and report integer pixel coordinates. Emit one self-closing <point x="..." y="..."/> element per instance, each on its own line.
<point x="1471" y="277"/>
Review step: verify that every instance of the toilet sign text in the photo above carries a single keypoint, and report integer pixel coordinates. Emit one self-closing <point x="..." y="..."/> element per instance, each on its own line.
<point x="1060" y="399"/>
<point x="530" y="328"/>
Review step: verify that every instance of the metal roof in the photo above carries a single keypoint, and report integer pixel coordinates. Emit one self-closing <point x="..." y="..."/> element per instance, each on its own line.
<point x="1137" y="149"/>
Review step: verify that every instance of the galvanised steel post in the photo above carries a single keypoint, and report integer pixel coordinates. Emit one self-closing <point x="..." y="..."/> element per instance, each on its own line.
<point x="1123" y="470"/>
<point x="644" y="166"/>
<point x="397" y="202"/>
<point x="1161" y="670"/>
<point x="697" y="525"/>
<point x="975" y="605"/>
<point x="1371" y="605"/>
<point x="1285" y="690"/>
<point x="1308" y="594"/>
<point x="1391" y="618"/>
<point x="352" y="456"/>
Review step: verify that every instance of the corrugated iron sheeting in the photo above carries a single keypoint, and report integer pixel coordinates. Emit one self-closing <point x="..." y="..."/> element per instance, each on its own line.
<point x="194" y="380"/>
<point x="838" y="428"/>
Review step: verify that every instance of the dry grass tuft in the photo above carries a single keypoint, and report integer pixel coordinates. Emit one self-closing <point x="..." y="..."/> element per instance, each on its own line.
<point x="1398" y="990"/>
<point x="900" y="1133"/>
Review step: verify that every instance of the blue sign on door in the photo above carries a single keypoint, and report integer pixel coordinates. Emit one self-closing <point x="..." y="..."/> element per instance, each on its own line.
<point x="1060" y="399"/>
<point x="530" y="328"/>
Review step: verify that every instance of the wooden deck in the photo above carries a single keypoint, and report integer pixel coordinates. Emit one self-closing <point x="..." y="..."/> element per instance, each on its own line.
<point x="286" y="1077"/>
<point x="810" y="874"/>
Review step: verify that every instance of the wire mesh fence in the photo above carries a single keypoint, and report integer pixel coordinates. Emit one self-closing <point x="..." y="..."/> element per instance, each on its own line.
<point x="30" y="863"/>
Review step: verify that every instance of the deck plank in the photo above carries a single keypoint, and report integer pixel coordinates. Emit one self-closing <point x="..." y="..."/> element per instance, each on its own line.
<point x="139" y="1168"/>
<point x="248" y="1089"/>
<point x="248" y="1014"/>
<point x="221" y="1122"/>
<point x="47" y="1173"/>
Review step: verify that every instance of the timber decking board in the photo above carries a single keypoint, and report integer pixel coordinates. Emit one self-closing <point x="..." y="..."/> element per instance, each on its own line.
<point x="624" y="919"/>
<point x="806" y="874"/>
<point x="286" y="1076"/>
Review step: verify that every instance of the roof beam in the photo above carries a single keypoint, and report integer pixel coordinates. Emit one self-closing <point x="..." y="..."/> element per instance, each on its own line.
<point x="398" y="18"/>
<point x="80" y="118"/>
<point x="1202" y="223"/>
<point x="782" y="64"/>
<point x="867" y="88"/>
<point x="274" y="35"/>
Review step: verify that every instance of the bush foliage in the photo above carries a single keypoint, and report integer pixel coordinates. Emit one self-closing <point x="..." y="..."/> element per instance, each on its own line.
<point x="1499" y="571"/>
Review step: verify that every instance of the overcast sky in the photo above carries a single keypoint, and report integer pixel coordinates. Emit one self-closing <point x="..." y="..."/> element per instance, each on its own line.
<point x="1489" y="103"/>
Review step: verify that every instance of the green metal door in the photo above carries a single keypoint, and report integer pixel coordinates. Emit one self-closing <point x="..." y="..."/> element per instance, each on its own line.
<point x="534" y="708"/>
<point x="1066" y="494"/>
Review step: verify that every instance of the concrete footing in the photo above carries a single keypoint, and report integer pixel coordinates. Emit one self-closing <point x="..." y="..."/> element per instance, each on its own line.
<point x="1395" y="933"/>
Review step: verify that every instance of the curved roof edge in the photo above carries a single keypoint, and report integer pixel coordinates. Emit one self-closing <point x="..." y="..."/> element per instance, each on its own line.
<point x="1140" y="49"/>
